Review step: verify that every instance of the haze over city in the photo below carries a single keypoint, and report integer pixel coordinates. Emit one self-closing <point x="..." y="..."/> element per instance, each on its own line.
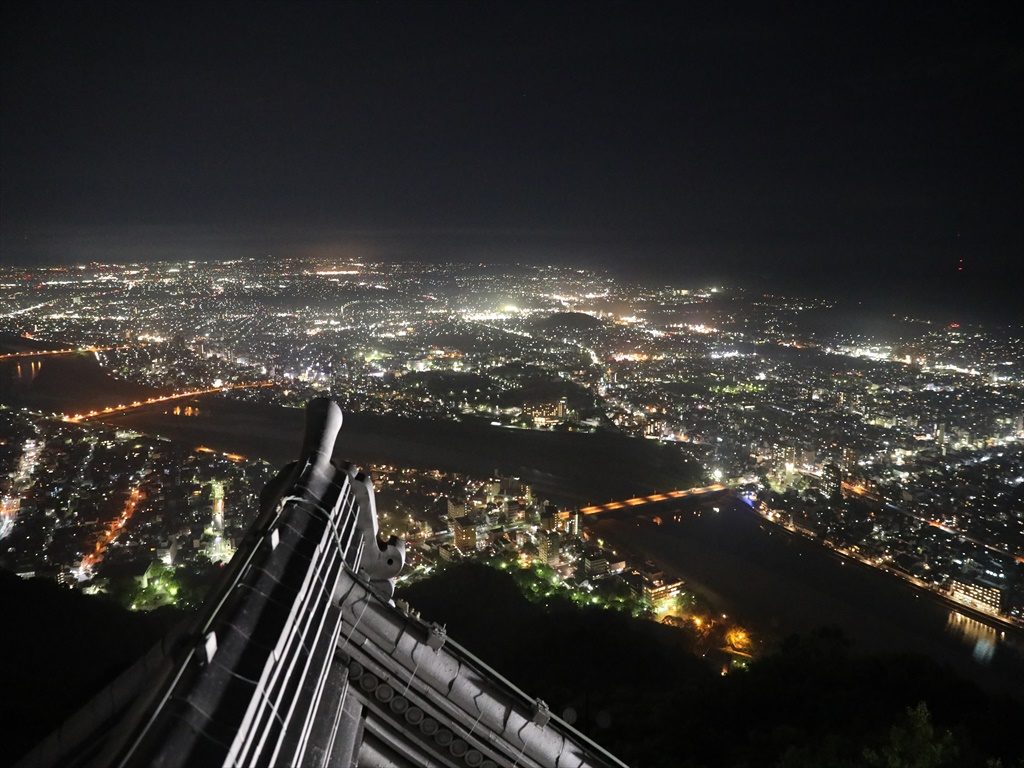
<point x="805" y="145"/>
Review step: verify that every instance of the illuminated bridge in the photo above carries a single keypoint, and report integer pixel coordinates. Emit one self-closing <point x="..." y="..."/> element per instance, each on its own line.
<point x="652" y="498"/>
<point x="110" y="410"/>
<point x="53" y="352"/>
<point x="300" y="657"/>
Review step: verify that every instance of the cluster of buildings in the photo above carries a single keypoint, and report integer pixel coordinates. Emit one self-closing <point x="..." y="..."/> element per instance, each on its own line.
<point x="952" y="523"/>
<point x="145" y="520"/>
<point x="903" y="441"/>
<point x="150" y="523"/>
<point x="449" y="517"/>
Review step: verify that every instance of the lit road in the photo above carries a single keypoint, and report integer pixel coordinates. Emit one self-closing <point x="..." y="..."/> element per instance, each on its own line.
<point x="653" y="498"/>
<point x="111" y="532"/>
<point x="26" y="310"/>
<point x="122" y="407"/>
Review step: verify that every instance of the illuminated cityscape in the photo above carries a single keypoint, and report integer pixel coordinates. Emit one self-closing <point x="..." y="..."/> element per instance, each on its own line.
<point x="535" y="385"/>
<point x="903" y="451"/>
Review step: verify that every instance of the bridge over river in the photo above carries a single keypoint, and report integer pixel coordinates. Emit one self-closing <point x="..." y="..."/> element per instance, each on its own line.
<point x="652" y="498"/>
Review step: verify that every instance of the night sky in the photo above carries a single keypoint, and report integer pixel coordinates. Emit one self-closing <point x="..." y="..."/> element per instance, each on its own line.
<point x="797" y="142"/>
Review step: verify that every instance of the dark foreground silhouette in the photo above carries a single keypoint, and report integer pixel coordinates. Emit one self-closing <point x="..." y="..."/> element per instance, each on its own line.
<point x="636" y="689"/>
<point x="57" y="649"/>
<point x="632" y="684"/>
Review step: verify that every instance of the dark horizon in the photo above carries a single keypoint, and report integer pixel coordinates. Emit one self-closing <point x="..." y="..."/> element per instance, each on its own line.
<point x="869" y="150"/>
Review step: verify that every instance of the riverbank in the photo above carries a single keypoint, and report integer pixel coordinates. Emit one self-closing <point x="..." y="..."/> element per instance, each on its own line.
<point x="778" y="584"/>
<point x="997" y="620"/>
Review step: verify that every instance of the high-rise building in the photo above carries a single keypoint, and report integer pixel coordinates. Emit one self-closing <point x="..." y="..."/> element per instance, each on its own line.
<point x="832" y="480"/>
<point x="466" y="533"/>
<point x="977" y="595"/>
<point x="594" y="564"/>
<point x="848" y="459"/>
<point x="548" y="547"/>
<point x="217" y="496"/>
<point x="457" y="509"/>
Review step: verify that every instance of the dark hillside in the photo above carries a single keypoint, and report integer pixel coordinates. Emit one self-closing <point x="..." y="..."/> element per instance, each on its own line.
<point x="568" y="322"/>
<point x="631" y="684"/>
<point x="57" y="649"/>
<point x="637" y="691"/>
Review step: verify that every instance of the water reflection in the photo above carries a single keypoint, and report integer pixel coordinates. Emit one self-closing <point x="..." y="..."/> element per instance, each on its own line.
<point x="16" y="376"/>
<point x="973" y="632"/>
<point x="784" y="584"/>
<point x="24" y="372"/>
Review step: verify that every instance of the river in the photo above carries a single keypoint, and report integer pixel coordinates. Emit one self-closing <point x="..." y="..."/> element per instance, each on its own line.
<point x="568" y="467"/>
<point x="778" y="583"/>
<point x="768" y="579"/>
<point x="63" y="383"/>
